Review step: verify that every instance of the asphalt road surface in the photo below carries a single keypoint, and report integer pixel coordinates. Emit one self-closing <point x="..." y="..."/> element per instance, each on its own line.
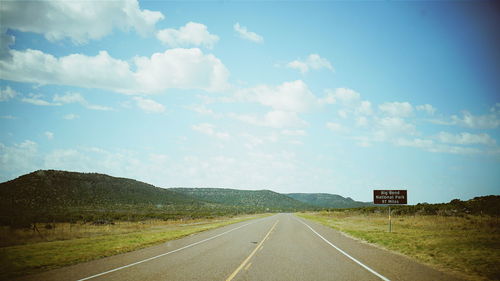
<point x="280" y="247"/>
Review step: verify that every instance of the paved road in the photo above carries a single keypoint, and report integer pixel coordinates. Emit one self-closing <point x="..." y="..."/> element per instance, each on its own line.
<point x="280" y="247"/>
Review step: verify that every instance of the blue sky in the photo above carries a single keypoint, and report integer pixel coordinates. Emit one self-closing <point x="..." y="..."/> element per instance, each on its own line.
<point x="336" y="97"/>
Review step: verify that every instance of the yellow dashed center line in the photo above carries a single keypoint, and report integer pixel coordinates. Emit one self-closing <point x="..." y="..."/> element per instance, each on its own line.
<point x="242" y="265"/>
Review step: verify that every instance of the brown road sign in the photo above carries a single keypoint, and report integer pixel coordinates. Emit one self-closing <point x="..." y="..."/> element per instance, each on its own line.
<point x="390" y="197"/>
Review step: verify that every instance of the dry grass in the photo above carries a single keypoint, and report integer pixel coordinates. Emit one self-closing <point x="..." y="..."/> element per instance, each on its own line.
<point x="468" y="246"/>
<point x="29" y="252"/>
<point x="68" y="231"/>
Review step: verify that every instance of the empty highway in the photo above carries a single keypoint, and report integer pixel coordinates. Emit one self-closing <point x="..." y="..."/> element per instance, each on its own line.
<point x="280" y="247"/>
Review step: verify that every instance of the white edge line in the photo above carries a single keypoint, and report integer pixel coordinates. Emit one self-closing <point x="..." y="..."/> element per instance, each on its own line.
<point x="164" y="254"/>
<point x="346" y="254"/>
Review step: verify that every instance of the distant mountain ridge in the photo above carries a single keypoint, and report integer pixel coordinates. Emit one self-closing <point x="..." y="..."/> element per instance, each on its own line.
<point x="327" y="200"/>
<point x="83" y="189"/>
<point x="264" y="199"/>
<point x="52" y="195"/>
<point x="61" y="196"/>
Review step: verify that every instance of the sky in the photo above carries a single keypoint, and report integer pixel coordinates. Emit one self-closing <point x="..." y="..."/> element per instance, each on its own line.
<point x="291" y="96"/>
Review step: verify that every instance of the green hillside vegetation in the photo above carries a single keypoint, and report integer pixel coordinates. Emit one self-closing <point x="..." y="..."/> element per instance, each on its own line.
<point x="58" y="196"/>
<point x="84" y="189"/>
<point x="48" y="196"/>
<point x="326" y="200"/>
<point x="462" y="237"/>
<point x="482" y="206"/>
<point x="262" y="200"/>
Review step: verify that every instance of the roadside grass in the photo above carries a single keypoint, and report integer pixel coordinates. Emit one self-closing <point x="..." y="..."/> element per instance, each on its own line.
<point x="467" y="246"/>
<point x="80" y="243"/>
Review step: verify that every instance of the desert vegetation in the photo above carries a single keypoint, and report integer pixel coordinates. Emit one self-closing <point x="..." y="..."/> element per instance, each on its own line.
<point x="46" y="216"/>
<point x="25" y="251"/>
<point x="460" y="237"/>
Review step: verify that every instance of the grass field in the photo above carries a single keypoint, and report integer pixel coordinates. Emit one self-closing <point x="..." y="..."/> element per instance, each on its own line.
<point x="467" y="246"/>
<point x="26" y="252"/>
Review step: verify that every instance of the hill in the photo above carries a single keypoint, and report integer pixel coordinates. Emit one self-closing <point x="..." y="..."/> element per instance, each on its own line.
<point x="50" y="194"/>
<point x="82" y="189"/>
<point x="326" y="200"/>
<point x="264" y="200"/>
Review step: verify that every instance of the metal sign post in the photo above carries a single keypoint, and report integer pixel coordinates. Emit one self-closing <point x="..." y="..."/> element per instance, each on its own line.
<point x="390" y="223"/>
<point x="390" y="197"/>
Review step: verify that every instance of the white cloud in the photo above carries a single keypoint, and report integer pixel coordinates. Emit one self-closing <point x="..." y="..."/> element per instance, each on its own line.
<point x="361" y="121"/>
<point x="70" y="116"/>
<point x="202" y="109"/>
<point x="72" y="97"/>
<point x="17" y="159"/>
<point x="5" y="41"/>
<point x="283" y="119"/>
<point x="389" y="128"/>
<point x="395" y="124"/>
<point x="495" y="108"/>
<point x="8" y="117"/>
<point x="58" y="100"/>
<point x="336" y="127"/>
<point x="79" y="21"/>
<point x="49" y="135"/>
<point x="7" y="94"/>
<point x="344" y="96"/>
<point x="396" y="109"/>
<point x="70" y="159"/>
<point x="192" y="34"/>
<point x="209" y="129"/>
<point x="487" y="121"/>
<point x="181" y="69"/>
<point x="247" y="169"/>
<point x="101" y="71"/>
<point x="273" y="119"/>
<point x="349" y="103"/>
<point x="343" y="113"/>
<point x="35" y="99"/>
<point x="427" y="108"/>
<point x="247" y="35"/>
<point x="313" y="62"/>
<point x="175" y="68"/>
<point x="419" y="143"/>
<point x="429" y="145"/>
<point x="365" y="108"/>
<point x="364" y="143"/>
<point x="149" y="105"/>
<point x="292" y="96"/>
<point x="295" y="133"/>
<point x="252" y="141"/>
<point x="69" y="98"/>
<point x="465" y="138"/>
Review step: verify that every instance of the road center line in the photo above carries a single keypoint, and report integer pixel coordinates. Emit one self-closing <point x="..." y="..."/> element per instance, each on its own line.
<point x="251" y="254"/>
<point x="346" y="254"/>
<point x="164" y="254"/>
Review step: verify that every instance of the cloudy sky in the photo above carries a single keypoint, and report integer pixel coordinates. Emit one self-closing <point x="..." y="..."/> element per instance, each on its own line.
<point x="337" y="97"/>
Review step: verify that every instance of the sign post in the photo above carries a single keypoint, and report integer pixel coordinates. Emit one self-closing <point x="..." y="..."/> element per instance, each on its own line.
<point x="390" y="197"/>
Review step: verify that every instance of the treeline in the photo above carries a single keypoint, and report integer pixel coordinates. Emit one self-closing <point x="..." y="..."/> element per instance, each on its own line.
<point x="484" y="205"/>
<point x="265" y="200"/>
<point x="59" y="196"/>
<point x="25" y="218"/>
